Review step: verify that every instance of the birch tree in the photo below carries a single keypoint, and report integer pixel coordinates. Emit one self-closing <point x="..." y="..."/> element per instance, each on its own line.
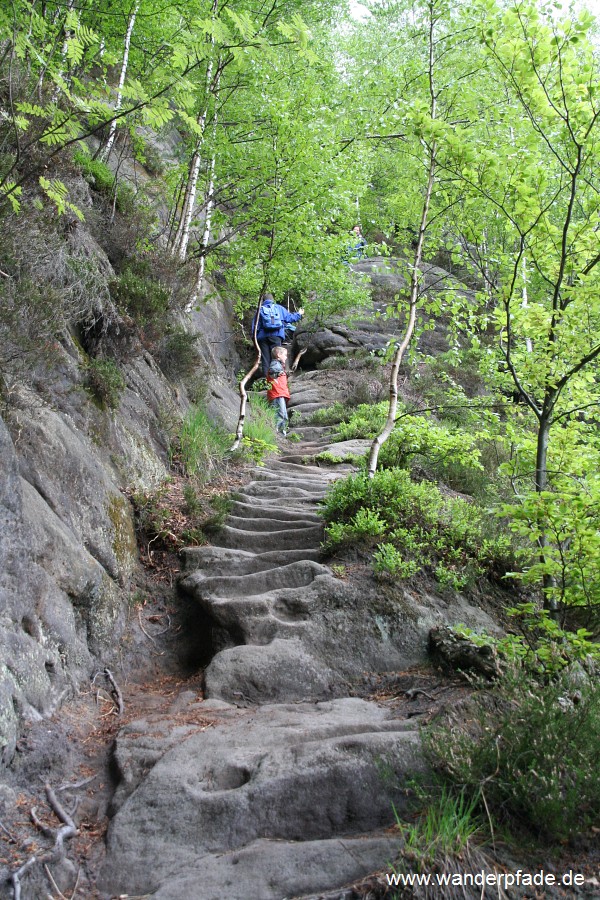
<point x="418" y="119"/>
<point x="539" y="174"/>
<point x="122" y="76"/>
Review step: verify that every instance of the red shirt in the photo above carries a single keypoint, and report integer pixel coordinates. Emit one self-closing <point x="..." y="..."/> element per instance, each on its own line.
<point x="278" y="387"/>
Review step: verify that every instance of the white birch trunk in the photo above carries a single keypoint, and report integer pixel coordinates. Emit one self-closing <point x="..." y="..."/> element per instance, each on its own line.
<point x="182" y="235"/>
<point x="525" y="302"/>
<point x="209" y="206"/>
<point x="63" y="54"/>
<point x="414" y="281"/>
<point x="113" y="125"/>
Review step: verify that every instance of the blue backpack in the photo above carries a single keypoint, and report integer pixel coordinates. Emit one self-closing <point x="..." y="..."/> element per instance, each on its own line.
<point x="271" y="318"/>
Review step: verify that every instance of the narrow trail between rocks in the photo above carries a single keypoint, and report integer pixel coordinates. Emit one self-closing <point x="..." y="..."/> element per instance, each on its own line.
<point x="245" y="765"/>
<point x="277" y="783"/>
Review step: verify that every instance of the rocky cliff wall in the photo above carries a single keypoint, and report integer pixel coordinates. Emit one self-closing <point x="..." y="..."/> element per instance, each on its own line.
<point x="67" y="540"/>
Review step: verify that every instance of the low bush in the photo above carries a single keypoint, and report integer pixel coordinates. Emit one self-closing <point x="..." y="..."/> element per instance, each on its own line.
<point x="441" y="452"/>
<point x="366" y="421"/>
<point x="449" y="537"/>
<point x="137" y="293"/>
<point x="448" y="821"/>
<point x="437" y="451"/>
<point x="535" y="745"/>
<point x="103" y="180"/>
<point x="259" y="430"/>
<point x="178" y="356"/>
<point x="105" y="382"/>
<point x="330" y="415"/>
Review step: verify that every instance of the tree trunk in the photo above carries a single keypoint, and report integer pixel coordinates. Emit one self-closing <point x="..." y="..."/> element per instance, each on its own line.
<point x="208" y="210"/>
<point x="63" y="53"/>
<point x="239" y="433"/>
<point x="541" y="484"/>
<point x="414" y="281"/>
<point x="113" y="125"/>
<point x="410" y="325"/>
<point x="182" y="235"/>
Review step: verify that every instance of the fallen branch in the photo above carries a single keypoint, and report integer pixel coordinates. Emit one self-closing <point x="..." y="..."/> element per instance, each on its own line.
<point x="45" y="829"/>
<point x="11" y="838"/>
<point x="149" y="636"/>
<point x="78" y="784"/>
<point x="16" y="876"/>
<point x="53" y="883"/>
<point x="411" y="693"/>
<point x="115" y="692"/>
<point x="68" y="829"/>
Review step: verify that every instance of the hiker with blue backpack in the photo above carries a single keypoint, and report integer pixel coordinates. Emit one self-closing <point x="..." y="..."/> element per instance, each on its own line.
<point x="272" y="321"/>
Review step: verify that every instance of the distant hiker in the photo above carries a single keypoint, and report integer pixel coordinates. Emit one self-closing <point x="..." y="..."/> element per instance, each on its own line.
<point x="278" y="392"/>
<point x="357" y="249"/>
<point x="271" y="327"/>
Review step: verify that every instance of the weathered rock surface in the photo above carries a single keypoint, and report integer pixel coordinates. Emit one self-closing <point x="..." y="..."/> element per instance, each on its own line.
<point x="388" y="280"/>
<point x="67" y="539"/>
<point x="459" y="653"/>
<point x="271" y="803"/>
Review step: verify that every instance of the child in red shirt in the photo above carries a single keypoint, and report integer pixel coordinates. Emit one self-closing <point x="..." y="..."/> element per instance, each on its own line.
<point x="278" y="392"/>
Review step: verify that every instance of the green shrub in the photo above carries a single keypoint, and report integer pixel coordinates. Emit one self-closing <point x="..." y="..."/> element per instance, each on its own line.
<point x="104" y="181"/>
<point x="534" y="744"/>
<point x="149" y="156"/>
<point x="331" y="415"/>
<point x="542" y="646"/>
<point x="96" y="171"/>
<point x="152" y="513"/>
<point x="388" y="562"/>
<point x="448" y="821"/>
<point x="447" y="536"/>
<point x="138" y="294"/>
<point x="445" y="453"/>
<point x="202" y="444"/>
<point x="105" y="382"/>
<point x="178" y="356"/>
<point x="366" y="421"/>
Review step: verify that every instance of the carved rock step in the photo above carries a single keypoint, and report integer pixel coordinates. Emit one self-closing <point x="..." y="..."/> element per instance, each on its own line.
<point x="283" y="491"/>
<point x="283" y="483"/>
<point x="260" y="541"/>
<point x="306" y="503"/>
<point x="303" y="471"/>
<point x="293" y="575"/>
<point x="256" y="622"/>
<point x="252" y="807"/>
<point x="305" y="392"/>
<point x="225" y="561"/>
<point x="270" y="870"/>
<point x="254" y="523"/>
<point x="273" y="512"/>
<point x="305" y="408"/>
<point x="312" y="432"/>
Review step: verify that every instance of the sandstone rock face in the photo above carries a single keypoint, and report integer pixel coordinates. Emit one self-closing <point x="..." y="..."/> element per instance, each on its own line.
<point x="389" y="281"/>
<point x="67" y="541"/>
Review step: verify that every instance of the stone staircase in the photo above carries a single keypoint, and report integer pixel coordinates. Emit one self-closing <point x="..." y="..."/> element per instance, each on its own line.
<point x="284" y="786"/>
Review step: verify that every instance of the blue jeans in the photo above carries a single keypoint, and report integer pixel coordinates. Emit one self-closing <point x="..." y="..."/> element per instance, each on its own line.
<point x="281" y="416"/>
<point x="266" y="344"/>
